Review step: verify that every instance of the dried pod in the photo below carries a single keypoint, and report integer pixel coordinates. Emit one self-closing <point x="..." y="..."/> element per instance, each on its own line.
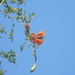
<point x="33" y="67"/>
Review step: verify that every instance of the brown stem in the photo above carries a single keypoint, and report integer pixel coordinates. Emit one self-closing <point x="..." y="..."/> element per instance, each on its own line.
<point x="11" y="17"/>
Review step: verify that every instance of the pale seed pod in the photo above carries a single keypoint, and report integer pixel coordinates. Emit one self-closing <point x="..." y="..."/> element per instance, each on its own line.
<point x="33" y="67"/>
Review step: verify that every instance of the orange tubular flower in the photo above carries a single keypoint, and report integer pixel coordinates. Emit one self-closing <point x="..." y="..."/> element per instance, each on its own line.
<point x="40" y="33"/>
<point x="37" y="41"/>
<point x="37" y="38"/>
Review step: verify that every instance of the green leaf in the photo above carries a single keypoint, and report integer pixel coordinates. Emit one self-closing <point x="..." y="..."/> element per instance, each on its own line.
<point x="2" y="30"/>
<point x="0" y="62"/>
<point x="1" y="73"/>
<point x="0" y="1"/>
<point x="24" y="12"/>
<point x="0" y="26"/>
<point x="10" y="34"/>
<point x="21" y="1"/>
<point x="31" y="15"/>
<point x="9" y="55"/>
<point x="13" y="1"/>
<point x="17" y="17"/>
<point x="21" y="47"/>
<point x="0" y="37"/>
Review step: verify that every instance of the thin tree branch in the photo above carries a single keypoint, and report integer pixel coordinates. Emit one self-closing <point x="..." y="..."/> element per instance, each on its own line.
<point x="12" y="17"/>
<point x="1" y="2"/>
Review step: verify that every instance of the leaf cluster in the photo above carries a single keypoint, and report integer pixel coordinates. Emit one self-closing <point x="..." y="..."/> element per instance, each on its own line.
<point x="18" y="11"/>
<point x="22" y="18"/>
<point x="22" y="47"/>
<point x="10" y="55"/>
<point x="2" y="30"/>
<point x="11" y="35"/>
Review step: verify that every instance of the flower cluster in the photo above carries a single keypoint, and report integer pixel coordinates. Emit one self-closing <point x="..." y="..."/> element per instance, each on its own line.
<point x="38" y="38"/>
<point x="35" y="38"/>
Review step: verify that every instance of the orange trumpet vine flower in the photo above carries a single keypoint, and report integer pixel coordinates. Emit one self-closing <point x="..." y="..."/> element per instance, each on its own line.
<point x="37" y="38"/>
<point x="40" y="33"/>
<point x="37" y="41"/>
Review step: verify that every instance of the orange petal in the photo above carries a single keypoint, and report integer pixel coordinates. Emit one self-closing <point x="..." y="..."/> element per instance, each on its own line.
<point x="41" y="41"/>
<point x="40" y="33"/>
<point x="36" y="37"/>
<point x="37" y="41"/>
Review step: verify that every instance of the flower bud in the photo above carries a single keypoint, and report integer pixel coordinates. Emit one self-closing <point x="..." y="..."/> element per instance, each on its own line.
<point x="27" y="27"/>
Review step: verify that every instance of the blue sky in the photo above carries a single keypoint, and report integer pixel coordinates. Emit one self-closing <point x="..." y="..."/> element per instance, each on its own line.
<point x="56" y="56"/>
